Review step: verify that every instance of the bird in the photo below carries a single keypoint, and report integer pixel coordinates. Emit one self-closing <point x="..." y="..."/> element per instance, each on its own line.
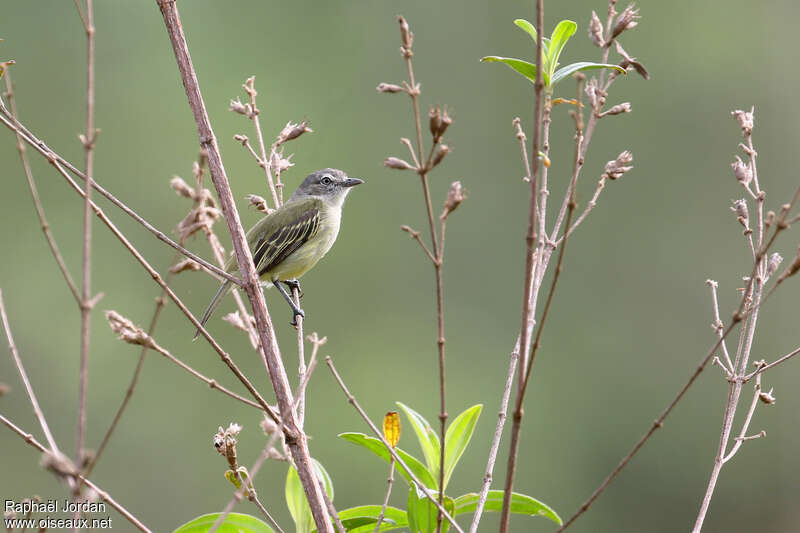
<point x="290" y="240"/>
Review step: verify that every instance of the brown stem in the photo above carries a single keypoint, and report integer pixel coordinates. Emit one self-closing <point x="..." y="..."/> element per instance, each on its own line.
<point x="12" y="347"/>
<point x="295" y="438"/>
<point x="85" y="304"/>
<point x="530" y="241"/>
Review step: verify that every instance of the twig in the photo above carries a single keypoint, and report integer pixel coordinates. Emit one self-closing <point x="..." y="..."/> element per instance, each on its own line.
<point x="295" y="438"/>
<point x="57" y="161"/>
<point x="718" y="325"/>
<point x="277" y="194"/>
<point x="530" y="240"/>
<point x="352" y="400"/>
<point x="389" y="483"/>
<point x="105" y="496"/>
<point x="746" y="424"/>
<point x="252" y="496"/>
<point x="12" y="347"/>
<point x="88" y="140"/>
<point x="43" y="223"/>
<point x="778" y="361"/>
<point x="498" y="433"/>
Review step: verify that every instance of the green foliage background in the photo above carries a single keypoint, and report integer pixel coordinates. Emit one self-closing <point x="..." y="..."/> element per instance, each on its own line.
<point x="630" y="320"/>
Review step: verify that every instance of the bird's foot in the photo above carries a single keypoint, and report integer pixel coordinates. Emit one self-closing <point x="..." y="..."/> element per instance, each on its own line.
<point x="293" y="284"/>
<point x="297" y="312"/>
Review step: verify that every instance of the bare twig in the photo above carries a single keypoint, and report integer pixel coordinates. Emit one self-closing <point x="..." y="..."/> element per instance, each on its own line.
<point x="295" y="438"/>
<point x="88" y="140"/>
<point x="105" y="496"/>
<point x="352" y="400"/>
<point x="12" y="347"/>
<point x="389" y="483"/>
<point x="530" y="242"/>
<point x="498" y="433"/>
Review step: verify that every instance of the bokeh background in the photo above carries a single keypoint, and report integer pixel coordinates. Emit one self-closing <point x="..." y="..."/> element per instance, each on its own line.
<point x="632" y="313"/>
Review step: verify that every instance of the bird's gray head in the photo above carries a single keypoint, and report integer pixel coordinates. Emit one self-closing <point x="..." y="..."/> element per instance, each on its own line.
<point x="329" y="183"/>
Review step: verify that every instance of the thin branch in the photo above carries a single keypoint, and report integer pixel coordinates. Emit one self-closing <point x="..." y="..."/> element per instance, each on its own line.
<point x="778" y="361"/>
<point x="718" y="325"/>
<point x="415" y="235"/>
<point x="746" y="425"/>
<point x="498" y="433"/>
<point x="352" y="400"/>
<point x="88" y="140"/>
<point x="277" y="194"/>
<point x="103" y="495"/>
<point x="295" y="438"/>
<point x="530" y="241"/>
<point x="43" y="223"/>
<point x="389" y="483"/>
<point x="12" y="347"/>
<point x="252" y="496"/>
<point x="56" y="160"/>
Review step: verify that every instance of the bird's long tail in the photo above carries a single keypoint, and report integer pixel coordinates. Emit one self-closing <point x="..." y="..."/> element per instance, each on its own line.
<point x="223" y="290"/>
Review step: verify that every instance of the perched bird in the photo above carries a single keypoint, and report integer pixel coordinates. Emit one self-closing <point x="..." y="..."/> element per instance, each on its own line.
<point x="288" y="242"/>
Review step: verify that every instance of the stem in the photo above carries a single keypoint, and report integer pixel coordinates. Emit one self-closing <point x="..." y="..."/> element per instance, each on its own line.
<point x="389" y="482"/>
<point x="295" y="438"/>
<point x="85" y="304"/>
<point x="530" y="239"/>
<point x="12" y="347"/>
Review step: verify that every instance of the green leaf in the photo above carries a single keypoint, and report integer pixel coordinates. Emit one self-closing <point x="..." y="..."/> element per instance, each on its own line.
<point x="561" y="34"/>
<point x="457" y="438"/>
<point x="296" y="497"/>
<point x="233" y="523"/>
<point x="520" y="504"/>
<point x="296" y="502"/>
<point x="531" y="30"/>
<point x="378" y="448"/>
<point x="428" y="440"/>
<point x="394" y="518"/>
<point x="584" y="65"/>
<point x="523" y="67"/>
<point x="422" y="512"/>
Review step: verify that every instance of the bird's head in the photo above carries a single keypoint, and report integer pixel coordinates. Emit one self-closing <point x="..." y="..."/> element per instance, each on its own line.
<point x="329" y="184"/>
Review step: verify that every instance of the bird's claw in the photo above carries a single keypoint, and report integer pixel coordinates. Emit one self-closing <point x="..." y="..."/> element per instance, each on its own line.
<point x="294" y="284"/>
<point x="297" y="312"/>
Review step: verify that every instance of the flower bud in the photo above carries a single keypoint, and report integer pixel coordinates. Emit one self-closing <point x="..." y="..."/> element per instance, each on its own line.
<point x="434" y="121"/>
<point x="745" y="120"/>
<point x="293" y="131"/>
<point x="775" y="261"/>
<point x="440" y="153"/>
<point x="389" y="88"/>
<point x="406" y="37"/>
<point x="619" y="166"/>
<point x="767" y="397"/>
<point x="740" y="208"/>
<point x="397" y="163"/>
<point x="238" y="107"/>
<point x="181" y="187"/>
<point x="618" y="109"/>
<point x="596" y="30"/>
<point x="742" y="171"/>
<point x="627" y="20"/>
<point x="455" y="196"/>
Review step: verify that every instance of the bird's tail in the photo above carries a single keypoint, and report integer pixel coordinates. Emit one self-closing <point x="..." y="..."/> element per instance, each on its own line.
<point x="223" y="290"/>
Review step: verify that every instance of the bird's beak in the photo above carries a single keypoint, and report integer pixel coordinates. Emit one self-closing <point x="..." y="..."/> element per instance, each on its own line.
<point x="352" y="182"/>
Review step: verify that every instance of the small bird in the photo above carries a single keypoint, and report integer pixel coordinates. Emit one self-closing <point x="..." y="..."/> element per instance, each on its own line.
<point x="288" y="242"/>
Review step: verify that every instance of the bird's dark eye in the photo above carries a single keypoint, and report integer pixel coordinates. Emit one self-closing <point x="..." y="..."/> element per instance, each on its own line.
<point x="326" y="180"/>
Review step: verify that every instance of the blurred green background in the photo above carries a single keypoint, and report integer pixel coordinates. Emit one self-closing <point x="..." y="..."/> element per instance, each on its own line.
<point x="632" y="313"/>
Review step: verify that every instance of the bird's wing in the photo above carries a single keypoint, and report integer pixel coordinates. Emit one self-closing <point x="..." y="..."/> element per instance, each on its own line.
<point x="288" y="235"/>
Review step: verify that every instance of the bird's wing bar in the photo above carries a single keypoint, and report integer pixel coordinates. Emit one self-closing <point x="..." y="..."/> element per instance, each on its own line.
<point x="269" y="252"/>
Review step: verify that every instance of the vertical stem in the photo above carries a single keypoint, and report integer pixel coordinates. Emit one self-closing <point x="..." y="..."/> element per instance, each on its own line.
<point x="530" y="240"/>
<point x="85" y="304"/>
<point x="296" y="440"/>
<point x="437" y="264"/>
